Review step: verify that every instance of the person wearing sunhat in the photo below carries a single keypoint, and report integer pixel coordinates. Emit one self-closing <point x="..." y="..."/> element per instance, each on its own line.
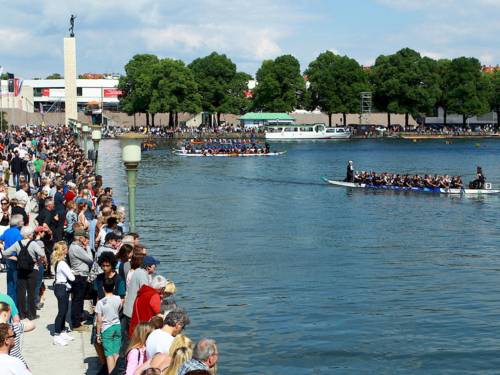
<point x="81" y="260"/>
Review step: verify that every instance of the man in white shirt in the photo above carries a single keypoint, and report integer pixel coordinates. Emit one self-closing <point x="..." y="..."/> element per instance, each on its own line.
<point x="9" y="365"/>
<point x="159" y="340"/>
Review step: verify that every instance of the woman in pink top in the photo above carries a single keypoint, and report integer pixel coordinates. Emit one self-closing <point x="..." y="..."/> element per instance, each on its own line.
<point x="136" y="352"/>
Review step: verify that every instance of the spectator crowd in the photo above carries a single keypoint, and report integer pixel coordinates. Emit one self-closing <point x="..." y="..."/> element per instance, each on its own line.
<point x="62" y="233"/>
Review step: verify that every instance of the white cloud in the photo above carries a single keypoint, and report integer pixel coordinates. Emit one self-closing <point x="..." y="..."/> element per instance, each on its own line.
<point x="449" y="28"/>
<point x="486" y="59"/>
<point x="265" y="46"/>
<point x="110" y="32"/>
<point x="432" y="55"/>
<point x="257" y="45"/>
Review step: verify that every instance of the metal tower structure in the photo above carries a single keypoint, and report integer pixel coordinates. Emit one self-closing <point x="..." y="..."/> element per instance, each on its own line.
<point x="366" y="106"/>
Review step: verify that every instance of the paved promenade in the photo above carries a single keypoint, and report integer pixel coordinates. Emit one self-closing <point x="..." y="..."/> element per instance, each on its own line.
<point x="45" y="358"/>
<point x="79" y="357"/>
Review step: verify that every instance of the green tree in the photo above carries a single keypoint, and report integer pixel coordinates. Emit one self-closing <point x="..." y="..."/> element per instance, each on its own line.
<point x="405" y="83"/>
<point x="137" y="85"/>
<point x="280" y="86"/>
<point x="443" y="100"/>
<point x="235" y="101"/>
<point x="174" y="89"/>
<point x="220" y="85"/>
<point x="469" y="92"/>
<point x="335" y="85"/>
<point x="495" y="94"/>
<point x="54" y="76"/>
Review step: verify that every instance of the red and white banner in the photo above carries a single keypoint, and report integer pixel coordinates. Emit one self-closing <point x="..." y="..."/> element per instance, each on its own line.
<point x="45" y="92"/>
<point x="112" y="93"/>
<point x="18" y="84"/>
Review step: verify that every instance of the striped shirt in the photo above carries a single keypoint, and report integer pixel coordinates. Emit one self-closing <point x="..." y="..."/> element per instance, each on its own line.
<point x="16" y="351"/>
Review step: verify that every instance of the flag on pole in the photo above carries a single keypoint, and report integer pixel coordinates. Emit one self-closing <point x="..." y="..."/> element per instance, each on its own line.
<point x="18" y="83"/>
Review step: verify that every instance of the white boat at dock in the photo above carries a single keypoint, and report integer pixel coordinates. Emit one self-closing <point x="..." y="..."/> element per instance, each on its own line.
<point x="293" y="132"/>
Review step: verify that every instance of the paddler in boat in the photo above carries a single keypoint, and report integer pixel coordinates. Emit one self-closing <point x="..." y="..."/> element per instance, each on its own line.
<point x="350" y="172"/>
<point x="478" y="183"/>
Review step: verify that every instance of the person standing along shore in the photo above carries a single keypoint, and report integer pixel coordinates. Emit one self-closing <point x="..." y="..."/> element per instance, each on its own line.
<point x="16" y="167"/>
<point x="108" y="323"/>
<point x="81" y="260"/>
<point x="62" y="287"/>
<point x="9" y="237"/>
<point x="28" y="254"/>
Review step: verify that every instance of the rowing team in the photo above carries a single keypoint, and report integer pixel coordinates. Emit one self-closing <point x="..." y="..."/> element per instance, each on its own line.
<point x="213" y="149"/>
<point x="221" y="141"/>
<point x="406" y="180"/>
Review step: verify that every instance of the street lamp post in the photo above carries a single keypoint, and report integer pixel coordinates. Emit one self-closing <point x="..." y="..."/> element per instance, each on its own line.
<point x="85" y="131"/>
<point x="96" y="138"/>
<point x="78" y="128"/>
<point x="131" y="156"/>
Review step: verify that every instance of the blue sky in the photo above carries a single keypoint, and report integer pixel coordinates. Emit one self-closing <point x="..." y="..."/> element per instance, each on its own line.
<point x="110" y="32"/>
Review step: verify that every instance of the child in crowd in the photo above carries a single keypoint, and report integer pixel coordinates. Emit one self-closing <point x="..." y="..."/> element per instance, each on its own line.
<point x="108" y="323"/>
<point x="136" y="352"/>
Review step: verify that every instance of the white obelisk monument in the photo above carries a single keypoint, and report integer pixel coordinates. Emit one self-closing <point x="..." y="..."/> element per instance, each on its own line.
<point x="70" y="78"/>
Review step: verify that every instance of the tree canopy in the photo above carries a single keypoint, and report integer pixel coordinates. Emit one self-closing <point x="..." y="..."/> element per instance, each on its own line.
<point x="54" y="76"/>
<point x="174" y="88"/>
<point x="495" y="95"/>
<point x="136" y="84"/>
<point x="221" y="86"/>
<point x="280" y="86"/>
<point x="468" y="94"/>
<point x="336" y="83"/>
<point x="404" y="82"/>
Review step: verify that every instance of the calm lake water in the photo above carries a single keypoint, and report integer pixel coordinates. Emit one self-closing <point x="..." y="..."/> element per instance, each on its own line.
<point x="292" y="276"/>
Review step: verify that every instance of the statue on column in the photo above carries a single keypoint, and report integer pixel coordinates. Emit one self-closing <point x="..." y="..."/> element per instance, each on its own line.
<point x="72" y="26"/>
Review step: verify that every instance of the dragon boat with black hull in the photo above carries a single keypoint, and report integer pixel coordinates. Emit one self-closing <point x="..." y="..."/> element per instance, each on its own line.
<point x="488" y="188"/>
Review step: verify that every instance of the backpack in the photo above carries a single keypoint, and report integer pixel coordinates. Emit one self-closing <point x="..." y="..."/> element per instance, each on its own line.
<point x="24" y="260"/>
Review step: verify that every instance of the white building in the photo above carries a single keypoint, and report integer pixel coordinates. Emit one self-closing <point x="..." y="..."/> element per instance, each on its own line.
<point x="49" y="94"/>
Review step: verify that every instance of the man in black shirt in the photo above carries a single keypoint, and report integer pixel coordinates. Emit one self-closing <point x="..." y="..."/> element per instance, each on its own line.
<point x="16" y="168"/>
<point x="49" y="219"/>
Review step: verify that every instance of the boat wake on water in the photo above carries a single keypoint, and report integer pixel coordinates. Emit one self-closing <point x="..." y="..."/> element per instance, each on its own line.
<point x="274" y="181"/>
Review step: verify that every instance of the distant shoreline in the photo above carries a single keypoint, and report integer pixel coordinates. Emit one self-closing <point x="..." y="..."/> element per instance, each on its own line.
<point x="260" y="136"/>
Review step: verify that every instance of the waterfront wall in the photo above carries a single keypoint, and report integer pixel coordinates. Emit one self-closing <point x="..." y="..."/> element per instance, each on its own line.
<point x="19" y="117"/>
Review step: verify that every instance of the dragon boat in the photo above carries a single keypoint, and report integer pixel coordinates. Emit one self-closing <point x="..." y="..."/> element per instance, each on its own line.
<point x="488" y="188"/>
<point x="222" y="154"/>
